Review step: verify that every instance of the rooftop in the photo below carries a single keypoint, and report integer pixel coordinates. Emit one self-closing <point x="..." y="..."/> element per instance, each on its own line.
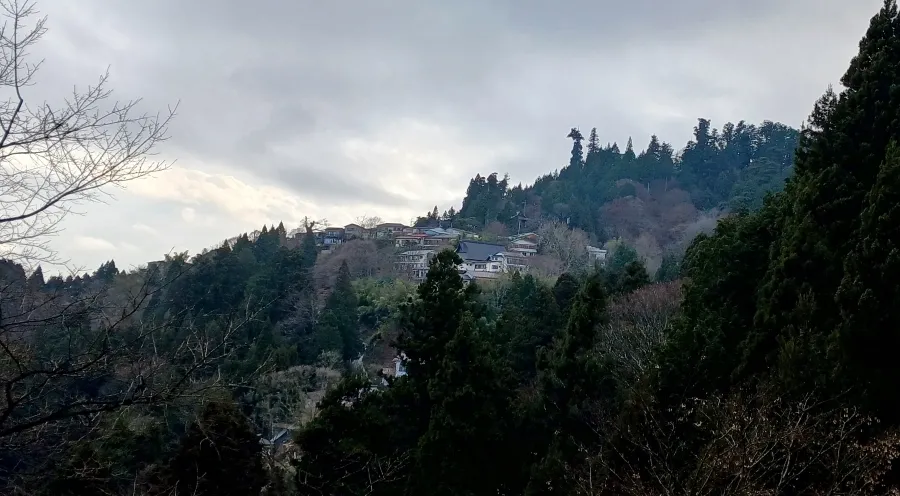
<point x="474" y="251"/>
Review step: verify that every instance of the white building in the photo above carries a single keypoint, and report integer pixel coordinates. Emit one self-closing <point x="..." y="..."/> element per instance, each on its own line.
<point x="488" y="261"/>
<point x="414" y="263"/>
<point x="597" y="253"/>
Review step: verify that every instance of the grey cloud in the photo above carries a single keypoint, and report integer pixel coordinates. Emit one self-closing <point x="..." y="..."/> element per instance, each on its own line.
<point x="254" y="75"/>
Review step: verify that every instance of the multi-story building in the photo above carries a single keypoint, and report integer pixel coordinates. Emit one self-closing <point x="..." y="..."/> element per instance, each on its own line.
<point x="488" y="260"/>
<point x="525" y="244"/>
<point x="356" y="231"/>
<point x="332" y="236"/>
<point x="387" y="230"/>
<point x="414" y="263"/>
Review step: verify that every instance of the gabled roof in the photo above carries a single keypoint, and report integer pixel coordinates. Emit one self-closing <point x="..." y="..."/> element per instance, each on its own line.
<point x="353" y="226"/>
<point x="471" y="251"/>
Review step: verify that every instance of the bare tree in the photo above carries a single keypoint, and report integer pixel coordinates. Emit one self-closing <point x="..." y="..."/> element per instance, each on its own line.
<point x="754" y="443"/>
<point x="569" y="246"/>
<point x="367" y="222"/>
<point x="637" y="326"/>
<point x="53" y="157"/>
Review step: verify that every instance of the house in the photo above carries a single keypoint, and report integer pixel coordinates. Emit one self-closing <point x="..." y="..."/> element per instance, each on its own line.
<point x="356" y="231"/>
<point x="388" y="229"/>
<point x="332" y="236"/>
<point x="427" y="237"/>
<point x="598" y="254"/>
<point x="523" y="246"/>
<point x="401" y="240"/>
<point x="481" y="260"/>
<point x="511" y="261"/>
<point x="414" y="263"/>
<point x="280" y="438"/>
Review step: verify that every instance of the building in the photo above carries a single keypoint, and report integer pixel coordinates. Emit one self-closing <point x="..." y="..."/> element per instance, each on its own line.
<point x="598" y="254"/>
<point x="525" y="244"/>
<point x="425" y="237"/>
<point x="403" y="240"/>
<point x="414" y="263"/>
<point x="388" y="229"/>
<point x="332" y="236"/>
<point x="488" y="260"/>
<point x="356" y="231"/>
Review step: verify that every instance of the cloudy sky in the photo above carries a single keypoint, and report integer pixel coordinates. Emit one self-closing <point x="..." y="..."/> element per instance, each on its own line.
<point x="387" y="107"/>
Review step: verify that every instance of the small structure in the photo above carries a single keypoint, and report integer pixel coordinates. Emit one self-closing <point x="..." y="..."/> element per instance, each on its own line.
<point x="598" y="254"/>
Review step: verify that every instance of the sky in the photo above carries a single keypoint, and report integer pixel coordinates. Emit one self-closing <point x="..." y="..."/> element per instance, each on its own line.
<point x="346" y="108"/>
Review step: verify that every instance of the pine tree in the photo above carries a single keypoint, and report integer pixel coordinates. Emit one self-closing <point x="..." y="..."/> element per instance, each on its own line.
<point x="36" y="279"/>
<point x="340" y="317"/>
<point x="593" y="149"/>
<point x="669" y="269"/>
<point x="463" y="450"/>
<point x="577" y="159"/>
<point x="572" y="383"/>
<point x="564" y="292"/>
<point x="629" y="151"/>
<point x="431" y="321"/>
<point x="869" y="296"/>
<point x="219" y="455"/>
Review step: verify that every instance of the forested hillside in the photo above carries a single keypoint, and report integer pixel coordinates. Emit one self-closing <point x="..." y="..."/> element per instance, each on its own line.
<point x="759" y="365"/>
<point x="653" y="194"/>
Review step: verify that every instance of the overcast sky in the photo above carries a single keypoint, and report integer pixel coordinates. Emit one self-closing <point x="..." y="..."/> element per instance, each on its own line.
<point x="342" y="108"/>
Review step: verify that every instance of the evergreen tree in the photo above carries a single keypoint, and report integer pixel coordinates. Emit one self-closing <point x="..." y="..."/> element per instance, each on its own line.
<point x="564" y="292"/>
<point x="593" y="150"/>
<point x="528" y="321"/>
<point x="470" y="414"/>
<point x="219" y="455"/>
<point x="633" y="277"/>
<point x="577" y="159"/>
<point x="340" y="316"/>
<point x="572" y="383"/>
<point x="36" y="279"/>
<point x="431" y="321"/>
<point x="629" y="151"/>
<point x="107" y="271"/>
<point x="669" y="269"/>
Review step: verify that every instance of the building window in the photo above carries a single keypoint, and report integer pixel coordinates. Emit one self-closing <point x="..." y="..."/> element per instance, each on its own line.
<point x="495" y="267"/>
<point x="480" y="266"/>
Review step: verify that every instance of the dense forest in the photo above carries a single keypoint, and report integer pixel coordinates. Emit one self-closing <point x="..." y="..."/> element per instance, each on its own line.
<point x="756" y="362"/>
<point x="610" y="193"/>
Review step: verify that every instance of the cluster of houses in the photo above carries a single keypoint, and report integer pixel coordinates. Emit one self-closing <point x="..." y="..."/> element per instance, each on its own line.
<point x="418" y="245"/>
<point x="331" y="236"/>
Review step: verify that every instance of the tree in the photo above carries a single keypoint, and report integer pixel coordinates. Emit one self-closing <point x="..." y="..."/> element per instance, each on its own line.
<point x="368" y="222"/>
<point x="572" y="383"/>
<point x="340" y="316"/>
<point x="569" y="246"/>
<point x="61" y="155"/>
<point x="577" y="159"/>
<point x="219" y="455"/>
<point x="470" y="414"/>
<point x="431" y="321"/>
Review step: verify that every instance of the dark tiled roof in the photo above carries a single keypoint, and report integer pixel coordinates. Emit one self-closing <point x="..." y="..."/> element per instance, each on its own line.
<point x="471" y="251"/>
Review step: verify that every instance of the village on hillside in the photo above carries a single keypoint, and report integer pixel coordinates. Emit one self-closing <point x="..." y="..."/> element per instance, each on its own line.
<point x="482" y="259"/>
